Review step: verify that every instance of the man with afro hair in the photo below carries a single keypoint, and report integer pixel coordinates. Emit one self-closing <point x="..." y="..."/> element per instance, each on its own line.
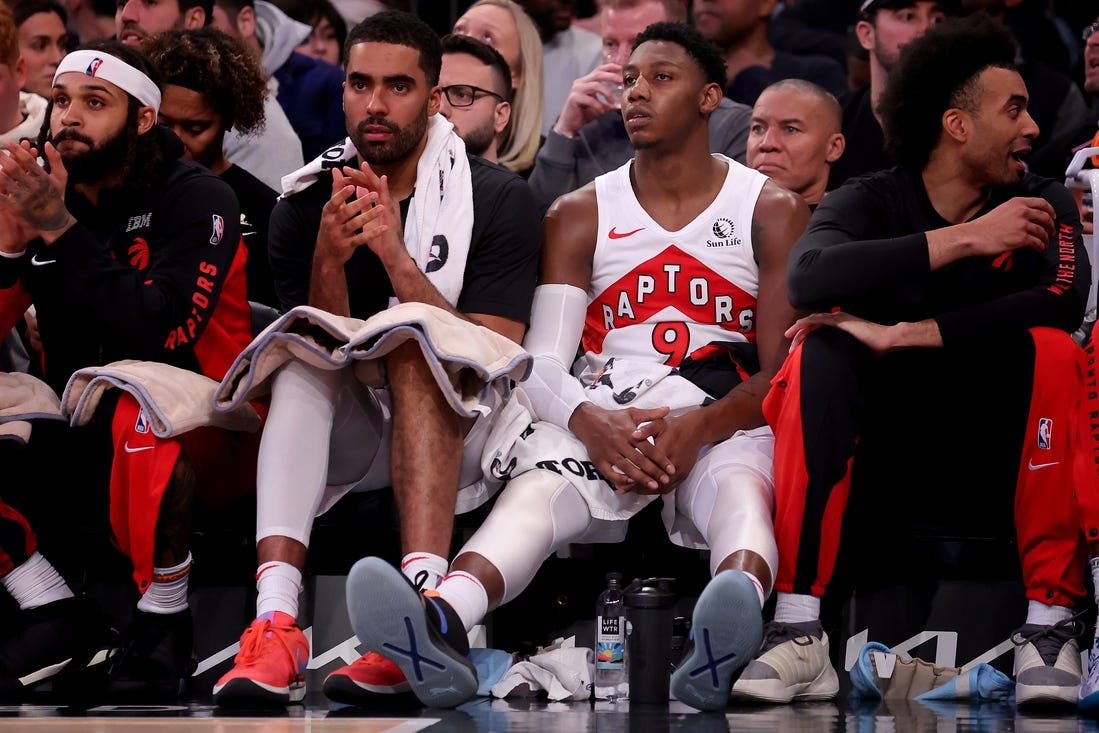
<point x="945" y="291"/>
<point x="212" y="84"/>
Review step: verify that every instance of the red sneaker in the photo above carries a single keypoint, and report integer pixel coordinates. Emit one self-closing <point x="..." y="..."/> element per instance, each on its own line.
<point x="270" y="667"/>
<point x="370" y="679"/>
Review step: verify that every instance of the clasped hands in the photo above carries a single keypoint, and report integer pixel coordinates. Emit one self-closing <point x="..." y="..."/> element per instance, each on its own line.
<point x="360" y="212"/>
<point x="642" y="451"/>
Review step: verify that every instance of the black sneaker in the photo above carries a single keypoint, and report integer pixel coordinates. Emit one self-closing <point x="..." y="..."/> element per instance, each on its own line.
<point x="63" y="638"/>
<point x="418" y="631"/>
<point x="156" y="658"/>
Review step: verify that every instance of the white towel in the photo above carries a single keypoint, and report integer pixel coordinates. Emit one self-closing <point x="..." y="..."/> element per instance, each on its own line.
<point x="24" y="398"/>
<point x="564" y="673"/>
<point x="174" y="400"/>
<point x="439" y="224"/>
<point x="467" y="360"/>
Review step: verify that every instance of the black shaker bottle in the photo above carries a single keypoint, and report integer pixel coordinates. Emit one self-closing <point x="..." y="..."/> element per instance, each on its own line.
<point x="649" y="606"/>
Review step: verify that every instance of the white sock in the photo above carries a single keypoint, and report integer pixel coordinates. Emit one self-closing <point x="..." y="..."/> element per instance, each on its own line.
<point x="277" y="587"/>
<point x="1046" y="615"/>
<point x="35" y="583"/>
<point x="415" y="563"/>
<point x="759" y="587"/>
<point x="168" y="591"/>
<point x="796" y="608"/>
<point x="466" y="595"/>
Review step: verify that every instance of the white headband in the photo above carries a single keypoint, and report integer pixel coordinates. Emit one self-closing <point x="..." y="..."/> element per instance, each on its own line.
<point x="109" y="68"/>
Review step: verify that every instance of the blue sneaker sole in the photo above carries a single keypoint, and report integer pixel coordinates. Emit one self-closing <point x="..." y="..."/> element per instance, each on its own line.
<point x="727" y="627"/>
<point x="389" y="618"/>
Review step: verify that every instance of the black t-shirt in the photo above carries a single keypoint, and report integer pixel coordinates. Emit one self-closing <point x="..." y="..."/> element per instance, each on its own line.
<point x="501" y="269"/>
<point x="865" y="151"/>
<point x="866" y="251"/>
<point x="257" y="199"/>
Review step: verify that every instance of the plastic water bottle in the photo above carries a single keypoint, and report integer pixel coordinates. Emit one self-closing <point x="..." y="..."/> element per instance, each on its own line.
<point x="611" y="681"/>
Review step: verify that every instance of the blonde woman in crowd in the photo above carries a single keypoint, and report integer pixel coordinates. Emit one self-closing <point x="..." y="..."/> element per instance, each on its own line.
<point x="505" y="26"/>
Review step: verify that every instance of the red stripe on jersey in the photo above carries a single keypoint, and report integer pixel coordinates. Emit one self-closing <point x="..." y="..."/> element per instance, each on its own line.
<point x="1048" y="535"/>
<point x="11" y="557"/>
<point x="230" y="326"/>
<point x="14" y="301"/>
<point x="782" y="410"/>
<point x="140" y="472"/>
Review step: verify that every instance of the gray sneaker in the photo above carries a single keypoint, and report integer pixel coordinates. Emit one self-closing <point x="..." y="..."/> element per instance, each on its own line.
<point x="793" y="666"/>
<point x="1047" y="664"/>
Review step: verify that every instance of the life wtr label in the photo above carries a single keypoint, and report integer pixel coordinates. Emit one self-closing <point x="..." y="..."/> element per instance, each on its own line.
<point x="610" y="647"/>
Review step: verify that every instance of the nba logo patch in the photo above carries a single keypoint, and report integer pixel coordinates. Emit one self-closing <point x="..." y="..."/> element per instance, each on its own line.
<point x="219" y="230"/>
<point x="1045" y="433"/>
<point x="142" y="424"/>
<point x="93" y="66"/>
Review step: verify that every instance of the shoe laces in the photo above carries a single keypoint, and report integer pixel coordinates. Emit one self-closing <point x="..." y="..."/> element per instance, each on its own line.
<point x="776" y="632"/>
<point x="1049" y="640"/>
<point x="370" y="660"/>
<point x="252" y="645"/>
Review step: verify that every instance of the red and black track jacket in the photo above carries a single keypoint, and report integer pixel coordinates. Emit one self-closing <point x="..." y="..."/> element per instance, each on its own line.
<point x="154" y="275"/>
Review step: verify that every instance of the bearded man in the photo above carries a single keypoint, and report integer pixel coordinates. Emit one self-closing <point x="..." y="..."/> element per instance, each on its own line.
<point x="398" y="212"/>
<point x="129" y="252"/>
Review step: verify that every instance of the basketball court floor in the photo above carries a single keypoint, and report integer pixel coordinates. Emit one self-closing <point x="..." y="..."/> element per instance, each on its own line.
<point x="495" y="716"/>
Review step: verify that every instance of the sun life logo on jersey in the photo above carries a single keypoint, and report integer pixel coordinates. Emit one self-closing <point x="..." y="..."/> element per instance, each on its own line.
<point x="723" y="229"/>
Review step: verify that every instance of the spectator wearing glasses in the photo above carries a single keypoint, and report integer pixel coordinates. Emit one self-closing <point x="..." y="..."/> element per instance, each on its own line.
<point x="476" y="93"/>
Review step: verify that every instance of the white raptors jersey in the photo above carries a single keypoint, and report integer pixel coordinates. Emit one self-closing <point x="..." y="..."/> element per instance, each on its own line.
<point x="656" y="296"/>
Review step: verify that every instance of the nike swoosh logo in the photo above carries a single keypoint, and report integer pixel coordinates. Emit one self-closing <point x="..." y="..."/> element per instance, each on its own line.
<point x="619" y="235"/>
<point x="439" y="611"/>
<point x="126" y="447"/>
<point x="39" y="263"/>
<point x="1035" y="466"/>
<point x="248" y="234"/>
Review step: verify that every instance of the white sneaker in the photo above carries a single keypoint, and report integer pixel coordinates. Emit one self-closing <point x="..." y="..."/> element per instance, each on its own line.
<point x="793" y="665"/>
<point x="1047" y="664"/>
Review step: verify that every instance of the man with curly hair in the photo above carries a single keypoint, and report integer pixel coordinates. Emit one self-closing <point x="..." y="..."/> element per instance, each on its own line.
<point x="213" y="84"/>
<point x="946" y="290"/>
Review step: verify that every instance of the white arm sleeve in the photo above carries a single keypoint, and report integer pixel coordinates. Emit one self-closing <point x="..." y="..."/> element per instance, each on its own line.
<point x="556" y="323"/>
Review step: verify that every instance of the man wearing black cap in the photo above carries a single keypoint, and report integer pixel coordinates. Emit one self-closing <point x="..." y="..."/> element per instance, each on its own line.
<point x="883" y="27"/>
